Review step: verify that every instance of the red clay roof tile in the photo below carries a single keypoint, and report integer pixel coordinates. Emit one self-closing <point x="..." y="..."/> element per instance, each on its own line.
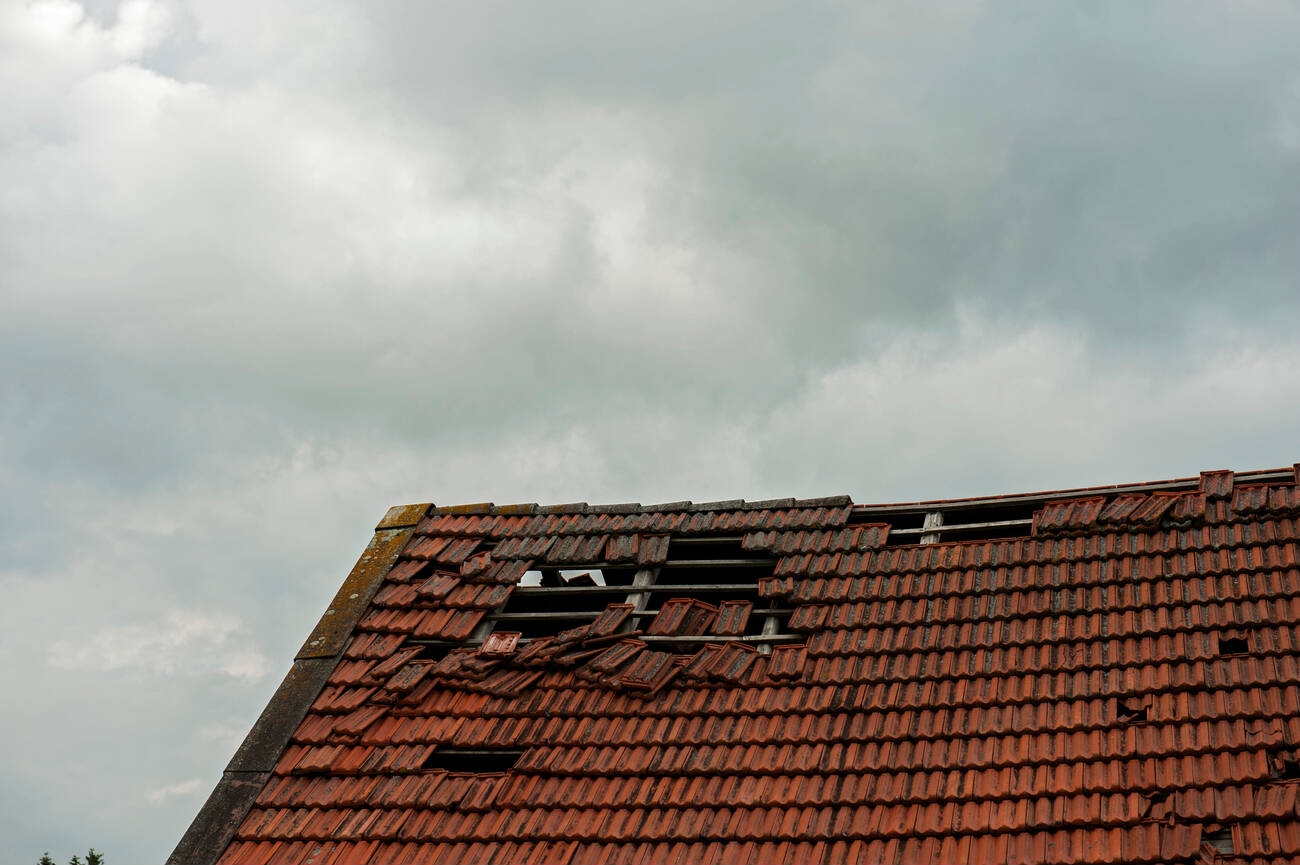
<point x="1074" y="695"/>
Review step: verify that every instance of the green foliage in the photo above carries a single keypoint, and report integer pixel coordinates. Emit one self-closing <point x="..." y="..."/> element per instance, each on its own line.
<point x="92" y="858"/>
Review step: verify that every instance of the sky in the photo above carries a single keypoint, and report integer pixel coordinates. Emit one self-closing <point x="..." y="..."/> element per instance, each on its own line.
<point x="267" y="269"/>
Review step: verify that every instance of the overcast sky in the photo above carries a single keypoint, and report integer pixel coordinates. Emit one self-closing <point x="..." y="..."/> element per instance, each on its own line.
<point x="269" y="268"/>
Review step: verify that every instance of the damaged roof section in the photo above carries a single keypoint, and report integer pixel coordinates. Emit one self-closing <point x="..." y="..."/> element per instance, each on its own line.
<point x="1091" y="676"/>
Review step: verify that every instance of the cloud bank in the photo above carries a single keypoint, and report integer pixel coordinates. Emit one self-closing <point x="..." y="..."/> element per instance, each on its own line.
<point x="266" y="270"/>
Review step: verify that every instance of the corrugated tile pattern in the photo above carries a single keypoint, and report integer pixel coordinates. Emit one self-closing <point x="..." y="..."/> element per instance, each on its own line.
<point x="1121" y="686"/>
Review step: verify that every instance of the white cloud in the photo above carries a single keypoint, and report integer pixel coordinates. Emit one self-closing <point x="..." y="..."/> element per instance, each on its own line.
<point x="184" y="788"/>
<point x="1015" y="406"/>
<point x="186" y="642"/>
<point x="268" y="268"/>
<point x="141" y="26"/>
<point x="224" y="738"/>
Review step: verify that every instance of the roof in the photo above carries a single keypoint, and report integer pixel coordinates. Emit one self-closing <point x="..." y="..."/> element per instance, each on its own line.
<point x="1085" y="676"/>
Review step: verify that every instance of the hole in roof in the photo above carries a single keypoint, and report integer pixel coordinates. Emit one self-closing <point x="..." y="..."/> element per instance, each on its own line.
<point x="550" y="599"/>
<point x="1285" y="766"/>
<point x="1155" y="805"/>
<point x="547" y="610"/>
<point x="618" y="576"/>
<point x="555" y="599"/>
<point x="546" y="577"/>
<point x="746" y="575"/>
<point x="433" y="650"/>
<point x="713" y="562"/>
<point x="966" y="523"/>
<point x="578" y="577"/>
<point x="706" y="549"/>
<point x="532" y="628"/>
<point x="1233" y="646"/>
<point x="714" y="570"/>
<point x="972" y="524"/>
<point x="895" y="521"/>
<point x="1133" y="716"/>
<point x="988" y="533"/>
<point x="994" y="512"/>
<point x="1219" y="837"/>
<point x="473" y="760"/>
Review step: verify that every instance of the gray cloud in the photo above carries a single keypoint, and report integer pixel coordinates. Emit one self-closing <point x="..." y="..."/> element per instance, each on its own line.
<point x="267" y="269"/>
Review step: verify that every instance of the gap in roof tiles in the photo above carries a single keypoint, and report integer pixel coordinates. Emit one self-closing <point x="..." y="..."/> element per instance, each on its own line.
<point x="939" y="523"/>
<point x="1233" y="646"/>
<point x="477" y="761"/>
<point x="583" y="577"/>
<point x="1287" y="766"/>
<point x="573" y="577"/>
<point x="714" y="572"/>
<point x="1219" y="838"/>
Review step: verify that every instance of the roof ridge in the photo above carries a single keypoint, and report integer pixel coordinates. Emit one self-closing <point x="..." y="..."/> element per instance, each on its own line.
<point x="492" y="509"/>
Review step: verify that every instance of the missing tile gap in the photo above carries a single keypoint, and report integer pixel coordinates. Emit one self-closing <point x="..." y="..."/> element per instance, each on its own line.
<point x="1233" y="646"/>
<point x="1285" y="766"/>
<point x="473" y="760"/>
<point x="1220" y="838"/>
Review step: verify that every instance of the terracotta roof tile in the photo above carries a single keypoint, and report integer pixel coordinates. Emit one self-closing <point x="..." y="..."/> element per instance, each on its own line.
<point x="1103" y="688"/>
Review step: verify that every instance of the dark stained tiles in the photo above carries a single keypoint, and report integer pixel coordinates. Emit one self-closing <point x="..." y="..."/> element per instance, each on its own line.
<point x="1121" y="684"/>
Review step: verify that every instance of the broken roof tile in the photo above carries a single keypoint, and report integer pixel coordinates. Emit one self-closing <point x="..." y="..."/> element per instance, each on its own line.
<point x="732" y="618"/>
<point x="438" y="585"/>
<point x="732" y="661"/>
<point x="788" y="661"/>
<point x="652" y="549"/>
<point x="407" y="569"/>
<point x="379" y="673"/>
<point x="614" y="657"/>
<point x="610" y="620"/>
<point x="1068" y="514"/>
<point x="528" y="547"/>
<point x="622" y="548"/>
<point x="1121" y="507"/>
<point x="648" y="670"/>
<point x="447" y="624"/>
<point x="1150" y="511"/>
<point x="850" y="539"/>
<point x="501" y="643"/>
<point x="683" y="617"/>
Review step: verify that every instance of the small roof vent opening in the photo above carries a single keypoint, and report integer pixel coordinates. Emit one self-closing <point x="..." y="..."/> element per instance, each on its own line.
<point x="473" y="760"/>
<point x="1233" y="645"/>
